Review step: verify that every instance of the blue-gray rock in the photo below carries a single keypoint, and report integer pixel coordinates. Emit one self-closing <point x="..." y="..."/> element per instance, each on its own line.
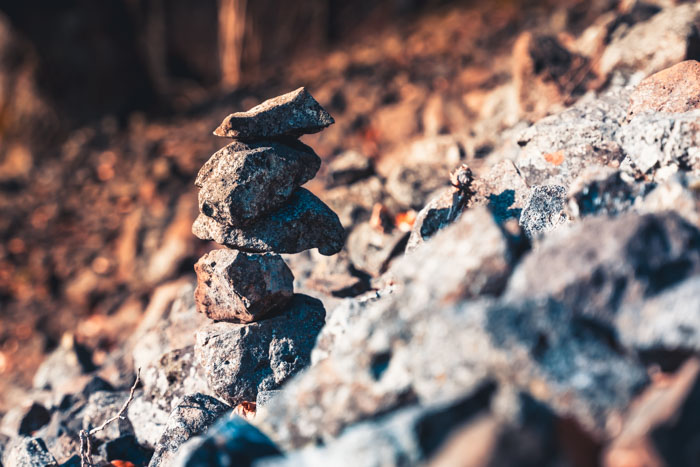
<point x="241" y="359"/>
<point x="241" y="182"/>
<point x="303" y="223"/>
<point x="544" y="210"/>
<point x="602" y="263"/>
<point x="192" y="417"/>
<point x="293" y="114"/>
<point x="24" y="451"/>
<point x="229" y="442"/>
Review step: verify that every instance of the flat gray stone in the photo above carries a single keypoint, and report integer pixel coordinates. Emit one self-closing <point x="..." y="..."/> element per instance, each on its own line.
<point x="293" y="114"/>
<point x="303" y="223"/>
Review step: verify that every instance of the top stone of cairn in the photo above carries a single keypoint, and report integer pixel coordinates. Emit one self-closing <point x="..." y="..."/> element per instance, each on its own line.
<point x="289" y="115"/>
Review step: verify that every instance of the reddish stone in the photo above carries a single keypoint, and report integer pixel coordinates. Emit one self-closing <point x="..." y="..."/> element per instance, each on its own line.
<point x="673" y="90"/>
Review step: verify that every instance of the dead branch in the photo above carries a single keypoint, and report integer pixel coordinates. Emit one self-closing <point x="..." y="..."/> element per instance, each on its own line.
<point x="85" y="435"/>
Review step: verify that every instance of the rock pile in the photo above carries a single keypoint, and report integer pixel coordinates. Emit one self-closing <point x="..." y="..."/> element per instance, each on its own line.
<point x="251" y="201"/>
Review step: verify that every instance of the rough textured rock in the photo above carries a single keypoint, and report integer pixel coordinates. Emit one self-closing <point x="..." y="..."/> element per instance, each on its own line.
<point x="477" y="250"/>
<point x="34" y="418"/>
<point x="28" y="452"/>
<point x="661" y="430"/>
<point x="663" y="40"/>
<point x="544" y="210"/>
<point x="680" y="193"/>
<point x="228" y="439"/>
<point x="390" y="352"/>
<point x="673" y="90"/>
<point x="192" y="417"/>
<point x="167" y="380"/>
<point x="167" y="323"/>
<point x="293" y="114"/>
<point x="557" y="148"/>
<point x="407" y="437"/>
<point x="436" y="215"/>
<point x="410" y="170"/>
<point x="653" y="141"/>
<point x="502" y="190"/>
<point x="242" y="359"/>
<point x="102" y="406"/>
<point x="669" y="321"/>
<point x="603" y="190"/>
<point x="242" y="182"/>
<point x="394" y="354"/>
<point x="632" y="257"/>
<point x="264" y="398"/>
<point x="241" y="287"/>
<point x="301" y="224"/>
<point x="148" y="419"/>
<point x="458" y="432"/>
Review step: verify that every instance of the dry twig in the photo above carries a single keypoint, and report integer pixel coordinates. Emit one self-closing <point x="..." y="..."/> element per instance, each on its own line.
<point x="85" y="435"/>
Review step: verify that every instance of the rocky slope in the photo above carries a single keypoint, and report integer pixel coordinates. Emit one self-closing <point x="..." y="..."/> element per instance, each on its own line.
<point x="544" y="312"/>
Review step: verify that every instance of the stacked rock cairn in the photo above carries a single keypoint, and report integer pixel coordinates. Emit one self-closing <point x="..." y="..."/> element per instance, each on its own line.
<point x="251" y="201"/>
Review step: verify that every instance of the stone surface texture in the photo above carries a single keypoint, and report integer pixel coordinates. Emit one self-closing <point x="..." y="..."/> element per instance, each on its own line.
<point x="190" y="418"/>
<point x="241" y="287"/>
<point x="242" y="182"/>
<point x="293" y="114"/>
<point x="241" y="359"/>
<point x="673" y="90"/>
<point x="303" y="223"/>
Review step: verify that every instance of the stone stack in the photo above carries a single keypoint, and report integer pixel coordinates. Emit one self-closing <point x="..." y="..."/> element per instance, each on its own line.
<point x="251" y="201"/>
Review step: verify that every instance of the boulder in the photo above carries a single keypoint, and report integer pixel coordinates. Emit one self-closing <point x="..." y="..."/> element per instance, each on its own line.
<point x="381" y="354"/>
<point x="242" y="182"/>
<point x="242" y="359"/>
<point x="241" y="287"/>
<point x="289" y="115"/>
<point x="301" y="224"/>
<point x="393" y="355"/>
